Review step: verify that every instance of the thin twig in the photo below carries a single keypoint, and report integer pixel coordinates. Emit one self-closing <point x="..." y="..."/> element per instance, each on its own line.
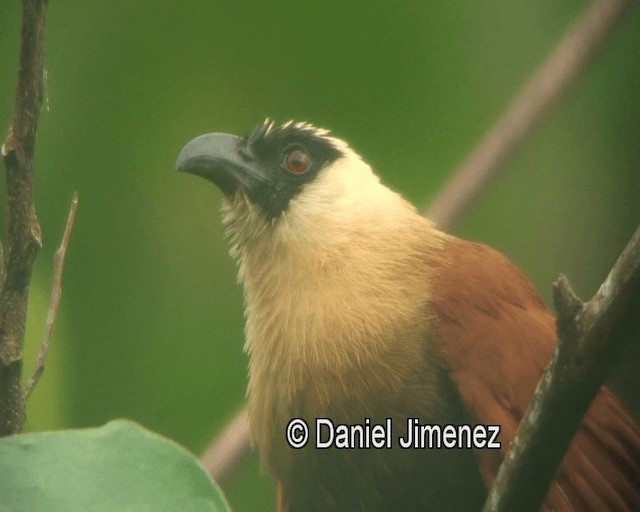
<point x="56" y="293"/>
<point x="473" y="177"/>
<point x="591" y="336"/>
<point x="544" y="90"/>
<point x="223" y="456"/>
<point x="23" y="229"/>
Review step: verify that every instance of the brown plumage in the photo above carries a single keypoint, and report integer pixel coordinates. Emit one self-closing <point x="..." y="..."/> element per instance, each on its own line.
<point x="357" y="307"/>
<point x="486" y="308"/>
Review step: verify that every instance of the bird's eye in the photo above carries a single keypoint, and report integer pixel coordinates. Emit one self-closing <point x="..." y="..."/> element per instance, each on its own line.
<point x="297" y="161"/>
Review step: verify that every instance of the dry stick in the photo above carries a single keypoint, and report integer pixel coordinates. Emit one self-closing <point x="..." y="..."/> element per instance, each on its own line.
<point x="591" y="336"/>
<point x="546" y="87"/>
<point x="23" y="229"/>
<point x="483" y="164"/>
<point x="56" y="292"/>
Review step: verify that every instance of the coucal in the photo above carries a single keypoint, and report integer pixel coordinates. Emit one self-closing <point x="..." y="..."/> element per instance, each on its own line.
<point x="360" y="311"/>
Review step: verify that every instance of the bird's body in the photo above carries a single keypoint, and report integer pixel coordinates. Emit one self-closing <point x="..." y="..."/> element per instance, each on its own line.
<point x="357" y="309"/>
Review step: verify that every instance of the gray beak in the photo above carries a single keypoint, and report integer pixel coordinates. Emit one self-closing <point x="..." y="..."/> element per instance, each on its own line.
<point x="217" y="158"/>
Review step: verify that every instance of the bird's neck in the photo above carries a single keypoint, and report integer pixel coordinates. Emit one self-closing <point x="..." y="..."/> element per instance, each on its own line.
<point x="332" y="313"/>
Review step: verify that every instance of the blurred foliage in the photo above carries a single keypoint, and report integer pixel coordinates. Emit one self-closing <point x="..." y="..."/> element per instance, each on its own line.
<point x="151" y="321"/>
<point x="119" y="466"/>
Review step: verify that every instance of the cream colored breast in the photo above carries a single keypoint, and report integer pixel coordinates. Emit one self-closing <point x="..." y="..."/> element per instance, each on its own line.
<point x="336" y="298"/>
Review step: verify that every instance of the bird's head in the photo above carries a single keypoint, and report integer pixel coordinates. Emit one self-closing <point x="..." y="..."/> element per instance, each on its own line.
<point x="293" y="178"/>
<point x="324" y="251"/>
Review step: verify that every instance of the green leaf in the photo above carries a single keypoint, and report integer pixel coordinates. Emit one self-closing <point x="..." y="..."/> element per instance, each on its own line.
<point x="118" y="467"/>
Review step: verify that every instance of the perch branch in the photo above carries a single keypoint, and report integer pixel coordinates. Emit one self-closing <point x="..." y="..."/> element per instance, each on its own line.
<point x="23" y="229"/>
<point x="477" y="172"/>
<point x="591" y="336"/>
<point x="542" y="91"/>
<point x="56" y="292"/>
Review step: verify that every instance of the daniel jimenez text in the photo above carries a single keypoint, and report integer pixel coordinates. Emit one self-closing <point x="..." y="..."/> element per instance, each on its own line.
<point x="369" y="435"/>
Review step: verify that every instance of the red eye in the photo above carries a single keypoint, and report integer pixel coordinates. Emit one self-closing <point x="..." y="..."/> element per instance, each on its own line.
<point x="297" y="161"/>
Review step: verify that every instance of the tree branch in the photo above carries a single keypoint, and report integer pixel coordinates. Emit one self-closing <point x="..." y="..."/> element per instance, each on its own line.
<point x="591" y="336"/>
<point x="542" y="91"/>
<point x="23" y="229"/>
<point x="56" y="293"/>
<point x="477" y="172"/>
<point x="226" y="452"/>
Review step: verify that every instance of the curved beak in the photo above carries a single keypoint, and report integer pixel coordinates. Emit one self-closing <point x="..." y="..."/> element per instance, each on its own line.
<point x="217" y="157"/>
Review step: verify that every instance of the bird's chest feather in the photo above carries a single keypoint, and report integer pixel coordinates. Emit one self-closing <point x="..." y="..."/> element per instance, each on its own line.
<point x="335" y="337"/>
<point x="320" y="342"/>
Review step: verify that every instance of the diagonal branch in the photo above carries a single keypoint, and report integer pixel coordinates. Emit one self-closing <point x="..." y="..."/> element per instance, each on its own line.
<point x="56" y="293"/>
<point x="591" y="336"/>
<point x="23" y="229"/>
<point x="227" y="451"/>
<point x="542" y="91"/>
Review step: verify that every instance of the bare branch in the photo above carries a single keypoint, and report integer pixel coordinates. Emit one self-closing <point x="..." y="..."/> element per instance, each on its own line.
<point x="591" y="336"/>
<point x="470" y="180"/>
<point x="223" y="456"/>
<point x="23" y="229"/>
<point x="546" y="87"/>
<point x="56" y="293"/>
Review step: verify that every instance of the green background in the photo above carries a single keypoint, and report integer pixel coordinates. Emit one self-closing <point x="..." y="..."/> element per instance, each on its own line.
<point x="150" y="326"/>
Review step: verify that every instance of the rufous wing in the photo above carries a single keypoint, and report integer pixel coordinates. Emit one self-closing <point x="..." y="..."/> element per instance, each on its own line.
<point x="496" y="336"/>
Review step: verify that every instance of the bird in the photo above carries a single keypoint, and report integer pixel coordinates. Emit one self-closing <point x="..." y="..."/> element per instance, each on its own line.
<point x="360" y="312"/>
